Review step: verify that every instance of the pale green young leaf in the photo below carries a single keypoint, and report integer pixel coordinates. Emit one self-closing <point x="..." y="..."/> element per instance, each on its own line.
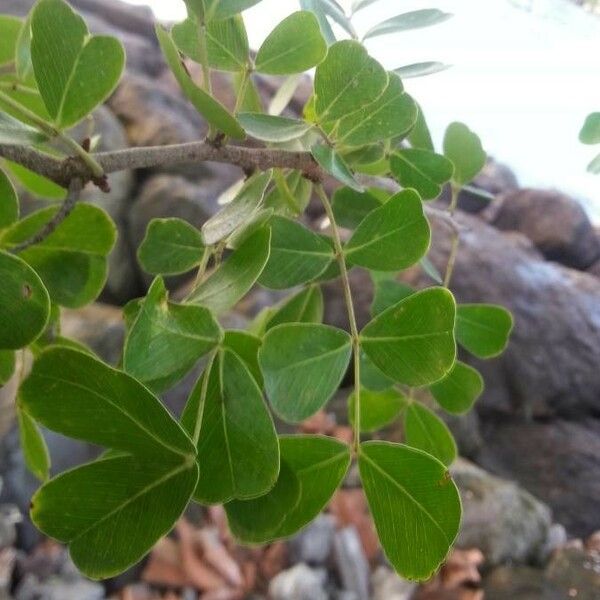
<point x="360" y="4"/>
<point x="431" y="270"/>
<point x="424" y="430"/>
<point x="294" y="46"/>
<point x="170" y="247"/>
<point x="214" y="112"/>
<point x="290" y="195"/>
<point x="377" y="409"/>
<point x="332" y="9"/>
<point x="10" y="27"/>
<point x="483" y="329"/>
<point x="24" y="303"/>
<point x="17" y="133"/>
<point x="421" y="69"/>
<point x="388" y="292"/>
<point x="306" y="306"/>
<point x="590" y="132"/>
<point x="72" y="260"/>
<point x="238" y="451"/>
<point x="260" y="219"/>
<point x="412" y="342"/>
<point x="346" y="81"/>
<point x="594" y="166"/>
<point x="416" y="19"/>
<point x="9" y="202"/>
<point x="36" y="184"/>
<point x="23" y="65"/>
<point x="79" y="396"/>
<point x="33" y="446"/>
<point x="303" y="365"/>
<point x="297" y="255"/>
<point x="391" y="115"/>
<point x="284" y="95"/>
<point x="166" y="339"/>
<point x="7" y="366"/>
<point x="391" y="237"/>
<point x="101" y="509"/>
<point x="269" y="128"/>
<point x="459" y="390"/>
<point x="246" y="346"/>
<point x="317" y="8"/>
<point x="335" y="165"/>
<point x="351" y="207"/>
<point x="404" y="487"/>
<point x="226" y="286"/>
<point x="239" y="211"/>
<point x="422" y="170"/>
<point x="463" y="148"/>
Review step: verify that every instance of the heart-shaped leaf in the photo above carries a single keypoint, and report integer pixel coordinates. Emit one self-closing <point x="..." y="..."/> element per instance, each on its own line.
<point x="294" y="46"/>
<point x="303" y="365"/>
<point x="483" y="329"/>
<point x="297" y="255"/>
<point x="410" y="20"/>
<point x="335" y="165"/>
<point x="237" y="445"/>
<point x="414" y="503"/>
<point x="269" y="128"/>
<point x="459" y="390"/>
<point x="392" y="237"/>
<point x="166" y="340"/>
<point x="74" y="394"/>
<point x="463" y="148"/>
<point x="111" y="512"/>
<point x="422" y="170"/>
<point x="246" y="347"/>
<point x="377" y="409"/>
<point x="413" y="341"/>
<point x="24" y="303"/>
<point x="388" y="292"/>
<point x="170" y="247"/>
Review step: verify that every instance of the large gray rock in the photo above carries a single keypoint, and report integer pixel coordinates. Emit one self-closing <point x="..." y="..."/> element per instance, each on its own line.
<point x="557" y="225"/>
<point x="299" y="583"/>
<point x="504" y="521"/>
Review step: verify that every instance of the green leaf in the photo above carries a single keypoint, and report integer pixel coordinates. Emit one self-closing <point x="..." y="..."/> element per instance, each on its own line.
<point x="102" y="509"/>
<point x="72" y="260"/>
<point x="257" y="521"/>
<point x="306" y="306"/>
<point x="431" y="270"/>
<point x="415" y="19"/>
<point x="303" y="366"/>
<point x="483" y="329"/>
<point x="214" y="112"/>
<point x="377" y="409"/>
<point x="223" y="9"/>
<point x="426" y="431"/>
<point x="318" y="9"/>
<point x="297" y="255"/>
<point x="9" y="202"/>
<point x="422" y="170"/>
<point x="291" y="193"/>
<point x="10" y="27"/>
<point x="24" y="303"/>
<point x="238" y="451"/>
<point x="335" y="165"/>
<point x="239" y="211"/>
<point x="421" y="69"/>
<point x="392" y="237"/>
<point x="74" y="72"/>
<point x="347" y="80"/>
<point x="24" y="67"/>
<point x="332" y="9"/>
<point x="246" y="347"/>
<point x="388" y="292"/>
<point x="284" y="95"/>
<point x="590" y="132"/>
<point x="294" y="46"/>
<point x="7" y="366"/>
<point x="74" y="394"/>
<point x="413" y="341"/>
<point x="33" y="445"/>
<point x="415" y="505"/>
<point x="420" y="136"/>
<point x="170" y="247"/>
<point x="371" y="377"/>
<point x="234" y="279"/>
<point x="459" y="390"/>
<point x="269" y="128"/>
<point x="463" y="148"/>
<point x="36" y="184"/>
<point x="167" y="340"/>
<point x="594" y="166"/>
<point x="320" y="464"/>
<point x="351" y="207"/>
<point x="226" y="41"/>
<point x="360" y="4"/>
<point x="391" y="115"/>
<point x="17" y="133"/>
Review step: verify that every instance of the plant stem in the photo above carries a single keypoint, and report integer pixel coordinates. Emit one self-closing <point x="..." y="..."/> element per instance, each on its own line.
<point x="339" y="253"/>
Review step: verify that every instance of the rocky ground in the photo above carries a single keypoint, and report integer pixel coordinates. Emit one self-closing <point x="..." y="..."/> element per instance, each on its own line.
<point x="530" y="476"/>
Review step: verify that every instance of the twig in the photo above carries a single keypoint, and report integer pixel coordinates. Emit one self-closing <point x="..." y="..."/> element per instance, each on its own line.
<point x="64" y="211"/>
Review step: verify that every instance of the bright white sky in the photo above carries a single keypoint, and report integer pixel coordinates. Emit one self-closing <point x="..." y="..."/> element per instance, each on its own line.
<point x="525" y="74"/>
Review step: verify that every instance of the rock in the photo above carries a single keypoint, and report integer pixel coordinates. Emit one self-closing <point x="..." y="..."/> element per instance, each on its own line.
<point x="519" y="583"/>
<point x="314" y="543"/>
<point x="576" y="572"/>
<point x="299" y="583"/>
<point x="505" y="522"/>
<point x="557" y="461"/>
<point x="362" y="294"/>
<point x="31" y="588"/>
<point x="351" y="562"/>
<point x="466" y="431"/>
<point x="556" y="224"/>
<point x="388" y="586"/>
<point x="10" y="515"/>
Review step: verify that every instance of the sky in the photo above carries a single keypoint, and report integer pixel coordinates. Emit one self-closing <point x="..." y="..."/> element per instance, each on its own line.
<point x="524" y="75"/>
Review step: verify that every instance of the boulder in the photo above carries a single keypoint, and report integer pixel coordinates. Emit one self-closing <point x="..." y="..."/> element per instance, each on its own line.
<point x="299" y="583"/>
<point x="504" y="521"/>
<point x="557" y="225"/>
